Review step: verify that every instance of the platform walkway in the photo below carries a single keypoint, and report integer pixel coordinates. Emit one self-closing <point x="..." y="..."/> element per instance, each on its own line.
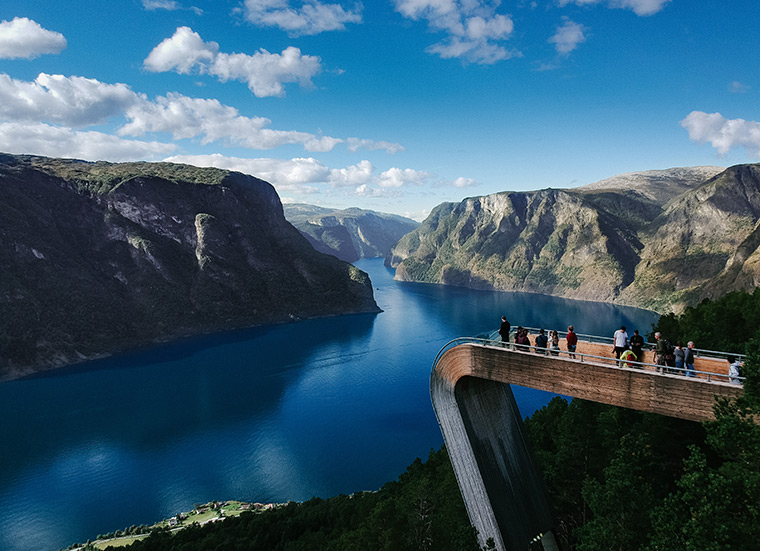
<point x="483" y="432"/>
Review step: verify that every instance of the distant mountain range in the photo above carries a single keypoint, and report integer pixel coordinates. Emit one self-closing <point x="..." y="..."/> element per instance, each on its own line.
<point x="100" y="257"/>
<point x="661" y="239"/>
<point x="349" y="234"/>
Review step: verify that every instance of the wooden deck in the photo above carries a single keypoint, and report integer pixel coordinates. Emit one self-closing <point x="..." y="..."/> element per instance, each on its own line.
<point x="641" y="388"/>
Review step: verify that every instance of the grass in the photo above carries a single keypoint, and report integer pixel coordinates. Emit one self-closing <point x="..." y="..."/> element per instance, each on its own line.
<point x="230" y="509"/>
<point x="119" y="542"/>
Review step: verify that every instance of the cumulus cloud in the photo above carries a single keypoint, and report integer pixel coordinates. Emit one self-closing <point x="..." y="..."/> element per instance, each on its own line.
<point x="53" y="141"/>
<point x="23" y="38"/>
<point x="354" y="144"/>
<point x="303" y="175"/>
<point x="311" y="18"/>
<point x="185" y="117"/>
<point x="464" y="182"/>
<point x="399" y="177"/>
<point x="73" y="101"/>
<point x="353" y="176"/>
<point x="723" y="134"/>
<point x="186" y="52"/>
<point x="568" y="36"/>
<point x="639" y="7"/>
<point x="80" y="102"/>
<point x="473" y="28"/>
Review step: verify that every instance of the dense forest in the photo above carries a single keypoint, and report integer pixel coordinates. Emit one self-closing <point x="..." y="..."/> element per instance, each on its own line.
<point x="617" y="479"/>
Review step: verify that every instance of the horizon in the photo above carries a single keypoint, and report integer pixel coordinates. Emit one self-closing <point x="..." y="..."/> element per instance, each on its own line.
<point x="394" y="107"/>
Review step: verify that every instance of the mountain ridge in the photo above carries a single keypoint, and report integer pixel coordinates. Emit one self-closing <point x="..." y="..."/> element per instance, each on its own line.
<point x="101" y="257"/>
<point x="349" y="234"/>
<point x="644" y="245"/>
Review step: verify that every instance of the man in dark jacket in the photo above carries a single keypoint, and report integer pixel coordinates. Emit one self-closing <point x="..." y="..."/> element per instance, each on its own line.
<point x="637" y="345"/>
<point x="504" y="329"/>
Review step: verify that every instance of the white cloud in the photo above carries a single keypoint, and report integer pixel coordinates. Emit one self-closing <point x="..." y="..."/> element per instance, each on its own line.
<point x="639" y="7"/>
<point x="568" y="36"/>
<point x="23" y="38"/>
<point x="399" y="177"/>
<point x="265" y="73"/>
<point x="723" y="134"/>
<point x="354" y="144"/>
<point x="283" y="174"/>
<point x="81" y="102"/>
<point x="473" y="28"/>
<point x="353" y="176"/>
<point x="313" y="17"/>
<point x="73" y="101"/>
<point x="170" y="5"/>
<point x="185" y="117"/>
<point x="151" y="5"/>
<point x="304" y="175"/>
<point x="464" y="182"/>
<point x="737" y="87"/>
<point x="53" y="141"/>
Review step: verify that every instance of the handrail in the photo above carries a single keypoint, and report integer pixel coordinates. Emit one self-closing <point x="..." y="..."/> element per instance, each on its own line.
<point x="581" y="356"/>
<point x="698" y="352"/>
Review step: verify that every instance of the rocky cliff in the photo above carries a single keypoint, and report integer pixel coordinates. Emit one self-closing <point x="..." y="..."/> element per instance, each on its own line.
<point x="349" y="234"/>
<point x="657" y="239"/>
<point x="99" y="257"/>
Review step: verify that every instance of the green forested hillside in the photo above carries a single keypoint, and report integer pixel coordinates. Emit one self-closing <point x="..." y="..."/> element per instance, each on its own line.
<point x="617" y="479"/>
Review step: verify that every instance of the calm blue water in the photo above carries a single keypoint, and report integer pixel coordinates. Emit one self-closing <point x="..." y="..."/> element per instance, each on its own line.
<point x="315" y="408"/>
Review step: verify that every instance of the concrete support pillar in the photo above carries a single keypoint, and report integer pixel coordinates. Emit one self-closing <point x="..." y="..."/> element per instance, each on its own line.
<point x="502" y="490"/>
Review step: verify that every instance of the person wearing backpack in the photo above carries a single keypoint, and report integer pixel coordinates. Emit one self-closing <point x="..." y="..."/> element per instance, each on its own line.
<point x="734" y="370"/>
<point x="542" y="342"/>
<point x="661" y="351"/>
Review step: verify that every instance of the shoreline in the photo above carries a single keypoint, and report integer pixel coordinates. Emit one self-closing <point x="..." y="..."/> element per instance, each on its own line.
<point x="213" y="511"/>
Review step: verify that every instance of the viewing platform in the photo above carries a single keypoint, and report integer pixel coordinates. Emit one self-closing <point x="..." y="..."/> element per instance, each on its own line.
<point x="482" y="426"/>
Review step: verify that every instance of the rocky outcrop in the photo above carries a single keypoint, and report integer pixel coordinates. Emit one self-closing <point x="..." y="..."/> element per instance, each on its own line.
<point x="100" y="257"/>
<point x="660" y="239"/>
<point x="349" y="234"/>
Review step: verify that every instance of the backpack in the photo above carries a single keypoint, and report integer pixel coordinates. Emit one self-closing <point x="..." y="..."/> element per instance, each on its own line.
<point x="670" y="357"/>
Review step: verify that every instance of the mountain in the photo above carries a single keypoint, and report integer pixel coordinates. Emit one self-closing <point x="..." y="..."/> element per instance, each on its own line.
<point x="349" y="234"/>
<point x="100" y="257"/>
<point x="659" y="239"/>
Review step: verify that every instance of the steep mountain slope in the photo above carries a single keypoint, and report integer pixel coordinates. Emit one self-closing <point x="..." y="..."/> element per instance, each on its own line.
<point x="659" y="239"/>
<point x="704" y="244"/>
<point x="349" y="234"/>
<point x="546" y="241"/>
<point x="98" y="257"/>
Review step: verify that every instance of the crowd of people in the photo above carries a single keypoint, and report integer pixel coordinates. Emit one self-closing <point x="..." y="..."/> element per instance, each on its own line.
<point x="629" y="350"/>
<point x="543" y="344"/>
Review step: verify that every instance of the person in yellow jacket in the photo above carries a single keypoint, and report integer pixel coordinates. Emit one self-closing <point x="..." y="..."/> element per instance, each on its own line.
<point x="627" y="356"/>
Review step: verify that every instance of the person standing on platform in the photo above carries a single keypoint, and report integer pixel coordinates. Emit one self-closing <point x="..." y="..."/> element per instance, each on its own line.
<point x="689" y="359"/>
<point x="572" y="341"/>
<point x="661" y="352"/>
<point x="620" y="341"/>
<point x="554" y="343"/>
<point x="504" y="329"/>
<point x="680" y="355"/>
<point x="542" y="342"/>
<point x="637" y="345"/>
<point x="734" y="370"/>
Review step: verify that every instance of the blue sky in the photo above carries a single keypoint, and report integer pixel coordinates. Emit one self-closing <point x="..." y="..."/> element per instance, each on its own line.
<point x="394" y="105"/>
